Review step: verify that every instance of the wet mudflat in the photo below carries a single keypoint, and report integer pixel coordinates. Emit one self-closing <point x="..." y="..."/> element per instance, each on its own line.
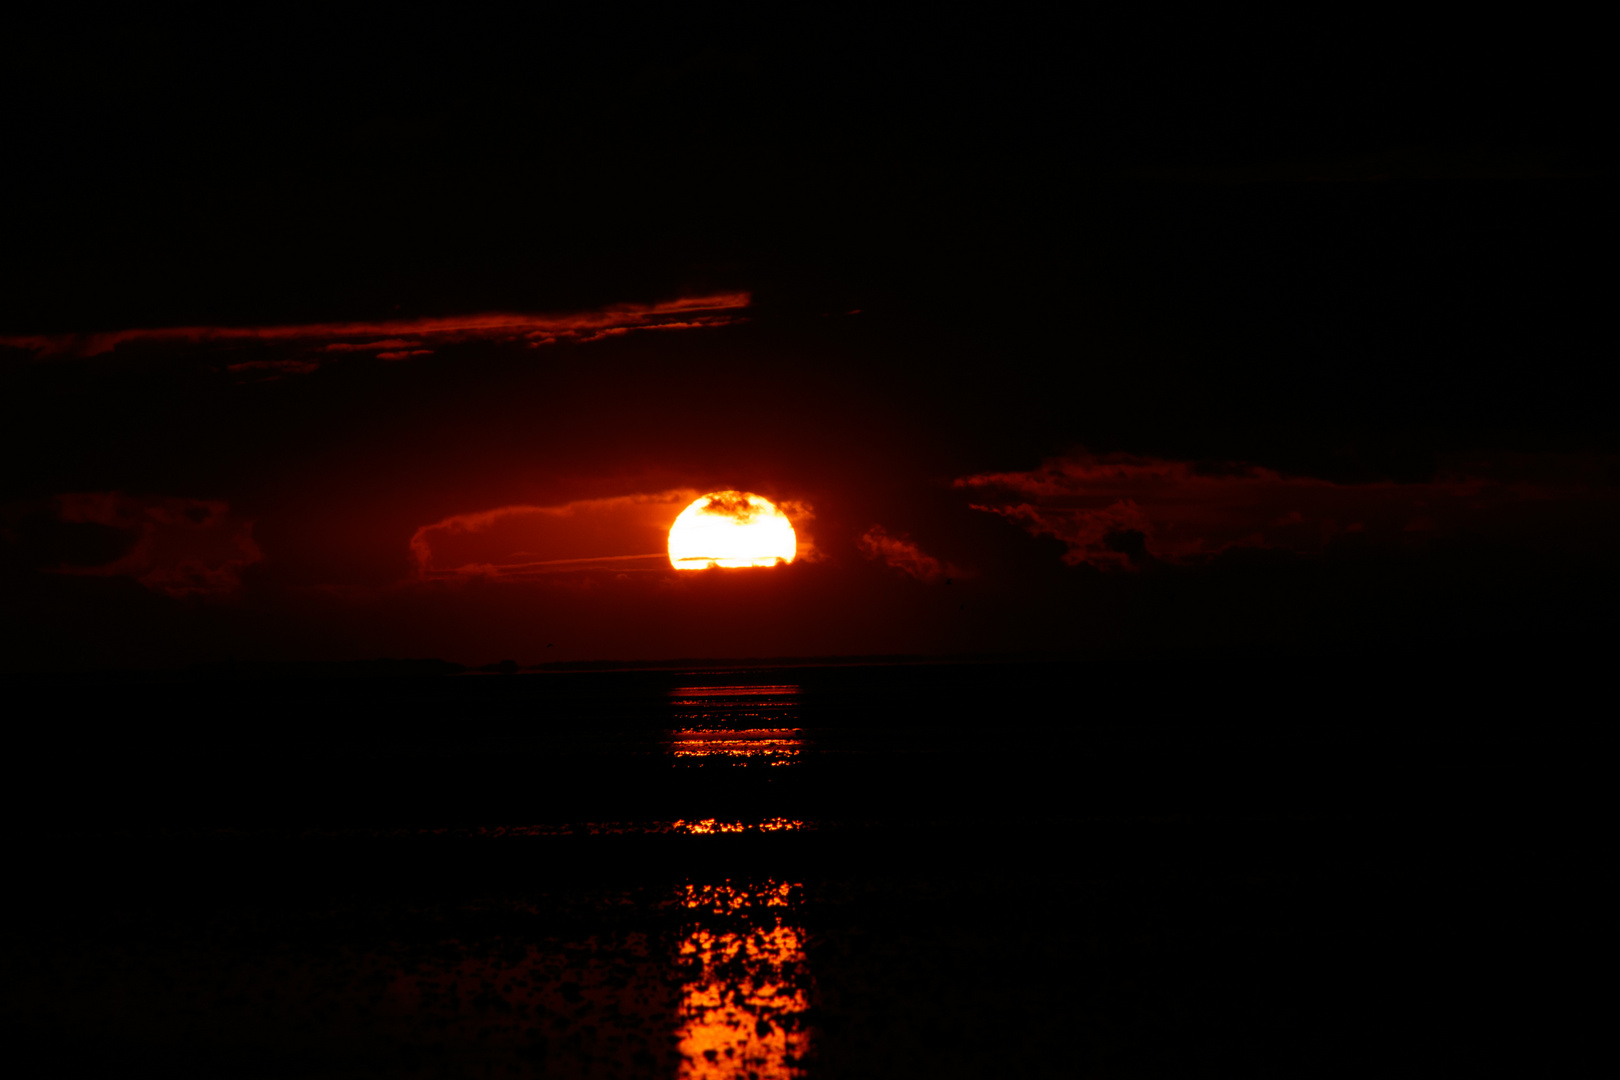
<point x="792" y="873"/>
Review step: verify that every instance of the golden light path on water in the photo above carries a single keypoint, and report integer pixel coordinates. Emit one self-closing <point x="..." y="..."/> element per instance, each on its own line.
<point x="731" y="529"/>
<point x="744" y="1004"/>
<point x="741" y="723"/>
<point x="743" y="1007"/>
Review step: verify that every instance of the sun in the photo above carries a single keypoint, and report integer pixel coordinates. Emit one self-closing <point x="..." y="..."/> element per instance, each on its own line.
<point x="731" y="528"/>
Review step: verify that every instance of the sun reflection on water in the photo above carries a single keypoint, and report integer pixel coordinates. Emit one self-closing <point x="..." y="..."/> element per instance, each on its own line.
<point x="777" y="745"/>
<point x="746" y="992"/>
<point x="735" y="723"/>
<point x="713" y="825"/>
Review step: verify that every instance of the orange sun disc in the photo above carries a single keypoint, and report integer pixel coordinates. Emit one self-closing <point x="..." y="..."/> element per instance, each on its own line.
<point x="731" y="528"/>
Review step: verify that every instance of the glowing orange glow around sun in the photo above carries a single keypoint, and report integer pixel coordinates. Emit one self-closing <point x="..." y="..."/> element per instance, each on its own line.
<point x="731" y="528"/>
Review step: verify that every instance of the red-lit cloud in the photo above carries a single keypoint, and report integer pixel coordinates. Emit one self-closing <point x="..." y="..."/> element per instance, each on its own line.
<point x="368" y="346"/>
<point x="397" y="340"/>
<point x="181" y="547"/>
<point x="625" y="533"/>
<point x="1119" y="510"/>
<point x="903" y="555"/>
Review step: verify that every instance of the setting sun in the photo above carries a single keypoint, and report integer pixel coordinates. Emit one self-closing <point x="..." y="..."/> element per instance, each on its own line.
<point x="731" y="528"/>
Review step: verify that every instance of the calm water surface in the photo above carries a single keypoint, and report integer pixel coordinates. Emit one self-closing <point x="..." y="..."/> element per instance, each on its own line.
<point x="765" y="874"/>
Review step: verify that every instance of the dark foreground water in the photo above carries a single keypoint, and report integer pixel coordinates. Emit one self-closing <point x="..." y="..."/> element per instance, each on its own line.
<point x="930" y="870"/>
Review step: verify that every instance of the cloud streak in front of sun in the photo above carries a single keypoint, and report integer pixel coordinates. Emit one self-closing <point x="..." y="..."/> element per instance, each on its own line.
<point x="514" y="543"/>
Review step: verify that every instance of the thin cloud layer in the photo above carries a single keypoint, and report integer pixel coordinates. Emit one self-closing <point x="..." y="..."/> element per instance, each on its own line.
<point x="402" y="339"/>
<point x="177" y="546"/>
<point x="1121" y="511"/>
<point x="625" y="533"/>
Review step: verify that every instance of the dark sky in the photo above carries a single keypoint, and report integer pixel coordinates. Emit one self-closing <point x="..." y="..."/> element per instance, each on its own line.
<point x="1161" y="336"/>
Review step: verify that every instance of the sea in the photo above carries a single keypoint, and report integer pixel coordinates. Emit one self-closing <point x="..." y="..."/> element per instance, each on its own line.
<point x="1141" y="866"/>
